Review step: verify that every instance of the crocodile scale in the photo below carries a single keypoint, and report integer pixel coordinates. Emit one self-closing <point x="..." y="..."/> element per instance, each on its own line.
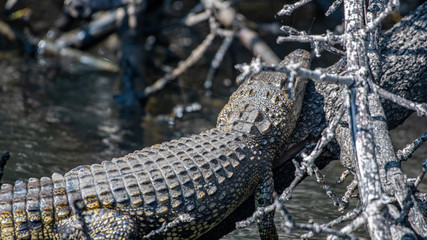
<point x="174" y="190"/>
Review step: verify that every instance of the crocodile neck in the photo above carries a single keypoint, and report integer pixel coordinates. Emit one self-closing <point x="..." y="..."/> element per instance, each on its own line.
<point x="265" y="107"/>
<point x="255" y="121"/>
<point x="265" y="113"/>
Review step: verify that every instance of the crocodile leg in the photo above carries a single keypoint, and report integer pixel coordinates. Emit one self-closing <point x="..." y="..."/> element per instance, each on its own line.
<point x="99" y="224"/>
<point x="263" y="198"/>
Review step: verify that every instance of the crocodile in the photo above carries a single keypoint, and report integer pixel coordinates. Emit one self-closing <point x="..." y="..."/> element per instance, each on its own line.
<point x="175" y="190"/>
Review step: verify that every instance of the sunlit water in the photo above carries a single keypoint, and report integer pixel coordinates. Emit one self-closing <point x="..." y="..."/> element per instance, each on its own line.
<point x="52" y="120"/>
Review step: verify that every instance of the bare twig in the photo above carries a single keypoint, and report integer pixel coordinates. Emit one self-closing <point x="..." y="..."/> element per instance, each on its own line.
<point x="335" y="5"/>
<point x="253" y="42"/>
<point x="375" y="6"/>
<point x="343" y="176"/>
<point x="228" y="17"/>
<point x="246" y="70"/>
<point x="347" y="195"/>
<point x="372" y="25"/>
<point x="9" y="4"/>
<point x="328" y="135"/>
<point x="318" y="228"/>
<point x="405" y="153"/>
<point x="195" y="55"/>
<point x="192" y="19"/>
<point x="421" y="197"/>
<point x="320" y="46"/>
<point x="219" y="56"/>
<point x="166" y="226"/>
<point x="299" y="176"/>
<point x="357" y="223"/>
<point x="314" y="228"/>
<point x="297" y="36"/>
<point x="257" y="66"/>
<point x="289" y="8"/>
<point x="97" y="29"/>
<point x="7" y="31"/>
<point x="350" y="215"/>
<point x="47" y="46"/>
<point x="332" y="195"/>
<point x="288" y="30"/>
<point x="258" y="214"/>
<point x="420" y="108"/>
<point x="422" y="174"/>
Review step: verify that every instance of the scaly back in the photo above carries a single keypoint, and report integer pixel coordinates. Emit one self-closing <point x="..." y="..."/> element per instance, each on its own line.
<point x="264" y="107"/>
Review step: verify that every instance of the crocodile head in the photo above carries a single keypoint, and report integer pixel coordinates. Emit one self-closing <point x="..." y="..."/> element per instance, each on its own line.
<point x="264" y="106"/>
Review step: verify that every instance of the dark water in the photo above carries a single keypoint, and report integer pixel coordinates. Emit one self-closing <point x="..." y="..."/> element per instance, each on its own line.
<point x="54" y="118"/>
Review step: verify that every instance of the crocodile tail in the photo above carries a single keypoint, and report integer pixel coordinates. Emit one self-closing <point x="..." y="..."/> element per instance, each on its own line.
<point x="25" y="208"/>
<point x="6" y="215"/>
<point x="31" y="209"/>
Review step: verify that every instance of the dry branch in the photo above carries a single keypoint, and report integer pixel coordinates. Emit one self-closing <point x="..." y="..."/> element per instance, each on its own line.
<point x="195" y="55"/>
<point x="407" y="152"/>
<point x="403" y="52"/>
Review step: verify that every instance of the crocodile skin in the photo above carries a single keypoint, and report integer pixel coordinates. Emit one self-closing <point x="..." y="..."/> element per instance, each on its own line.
<point x="174" y="190"/>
